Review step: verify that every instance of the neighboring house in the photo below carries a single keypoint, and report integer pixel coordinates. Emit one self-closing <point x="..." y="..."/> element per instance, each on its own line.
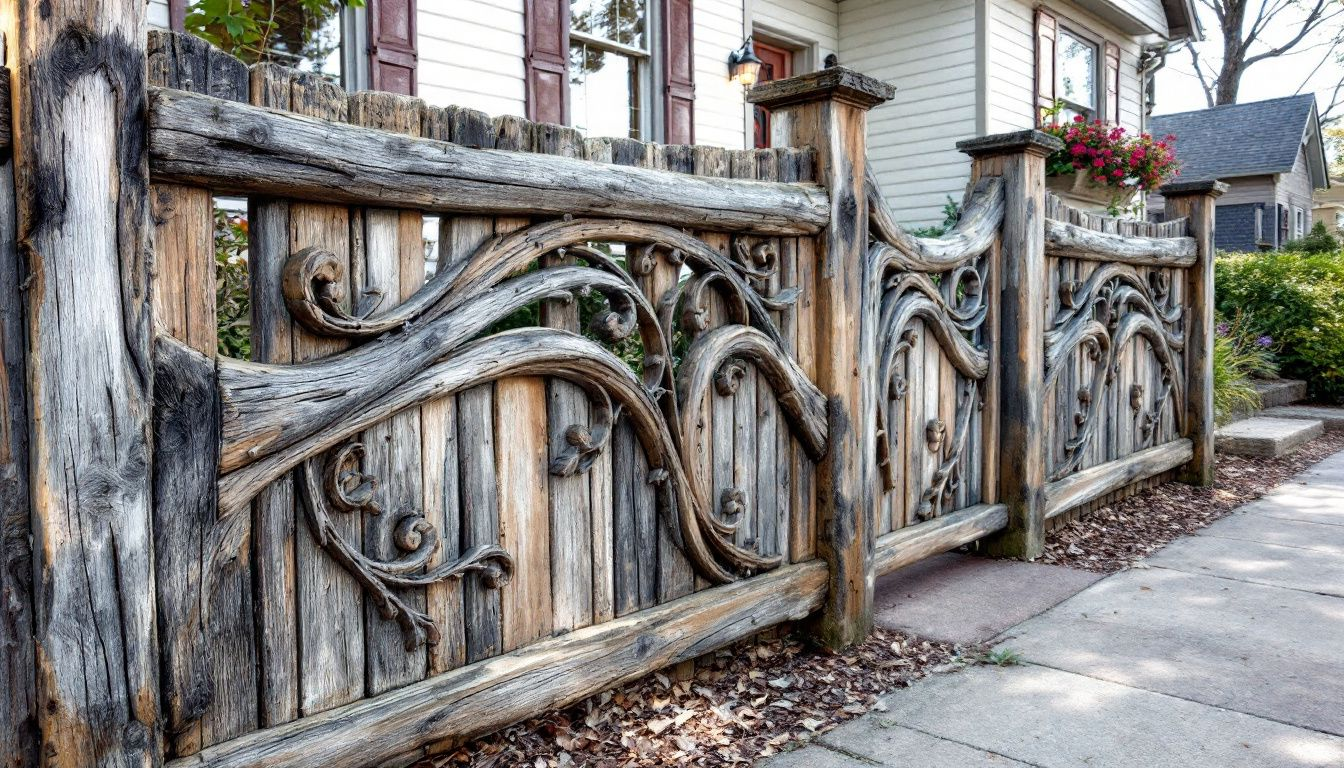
<point x="658" y="69"/>
<point x="1271" y="155"/>
<point x="1327" y="207"/>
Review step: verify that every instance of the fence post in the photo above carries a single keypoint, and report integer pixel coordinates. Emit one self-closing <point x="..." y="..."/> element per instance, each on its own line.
<point x="1019" y="158"/>
<point x="82" y="188"/>
<point x="1195" y="200"/>
<point x="828" y="110"/>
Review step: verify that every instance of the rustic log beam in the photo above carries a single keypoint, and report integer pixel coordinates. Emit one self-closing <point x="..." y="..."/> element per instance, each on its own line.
<point x="196" y="139"/>
<point x="913" y="543"/>
<point x="1196" y="201"/>
<point x="973" y="234"/>
<point x="828" y="110"/>
<point x="1020" y="159"/>
<point x="1071" y="241"/>
<point x="489" y="695"/>
<point x="1095" y="482"/>
<point x="82" y="182"/>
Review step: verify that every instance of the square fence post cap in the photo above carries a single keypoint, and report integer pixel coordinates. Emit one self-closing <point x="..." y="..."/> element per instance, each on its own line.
<point x="1030" y="141"/>
<point x="830" y="84"/>
<point x="1210" y="187"/>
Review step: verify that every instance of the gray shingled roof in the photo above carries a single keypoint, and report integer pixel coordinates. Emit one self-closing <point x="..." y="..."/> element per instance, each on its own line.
<point x="1238" y="139"/>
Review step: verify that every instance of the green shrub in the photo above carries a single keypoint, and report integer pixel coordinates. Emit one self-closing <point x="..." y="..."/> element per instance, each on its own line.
<point x="232" y="310"/>
<point x="1296" y="299"/>
<point x="1239" y="356"/>
<point x="1319" y="240"/>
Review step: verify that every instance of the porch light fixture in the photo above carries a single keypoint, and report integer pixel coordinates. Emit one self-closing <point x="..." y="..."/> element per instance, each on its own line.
<point x="743" y="65"/>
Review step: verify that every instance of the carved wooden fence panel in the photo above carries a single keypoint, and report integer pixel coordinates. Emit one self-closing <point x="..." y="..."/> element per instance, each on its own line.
<point x="634" y="403"/>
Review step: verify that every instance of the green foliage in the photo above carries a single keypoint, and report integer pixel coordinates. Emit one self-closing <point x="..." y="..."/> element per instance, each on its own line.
<point x="1319" y="240"/>
<point x="1295" y="299"/>
<point x="232" y="310"/>
<point x="951" y="215"/>
<point x="1239" y="356"/>
<point x="293" y="31"/>
<point x="1002" y="657"/>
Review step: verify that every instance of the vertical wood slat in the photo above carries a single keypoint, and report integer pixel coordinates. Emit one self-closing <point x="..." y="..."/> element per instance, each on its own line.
<point x="521" y="446"/>
<point x="205" y="611"/>
<point x="803" y="502"/>
<point x="600" y="481"/>
<point x="393" y="268"/>
<point x="766" y="420"/>
<point x="722" y="412"/>
<point x="80" y="142"/>
<point x="17" y="702"/>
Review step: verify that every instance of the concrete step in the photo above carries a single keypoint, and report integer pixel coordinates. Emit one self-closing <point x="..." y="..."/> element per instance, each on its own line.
<point x="1277" y="392"/>
<point x="1266" y="436"/>
<point x="1332" y="417"/>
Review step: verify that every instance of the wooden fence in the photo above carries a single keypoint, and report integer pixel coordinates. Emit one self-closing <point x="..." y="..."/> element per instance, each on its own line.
<point x="651" y="400"/>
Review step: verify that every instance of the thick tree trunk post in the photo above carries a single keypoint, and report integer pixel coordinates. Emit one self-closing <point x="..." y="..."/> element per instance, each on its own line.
<point x="1020" y="159"/>
<point x="82" y="181"/>
<point x="1195" y="200"/>
<point x="828" y="110"/>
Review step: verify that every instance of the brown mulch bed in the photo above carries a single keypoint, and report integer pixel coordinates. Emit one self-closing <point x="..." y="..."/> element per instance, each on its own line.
<point x="1116" y="537"/>
<point x="745" y="702"/>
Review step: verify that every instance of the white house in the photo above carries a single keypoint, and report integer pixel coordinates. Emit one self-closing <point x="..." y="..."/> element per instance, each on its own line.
<point x="658" y="69"/>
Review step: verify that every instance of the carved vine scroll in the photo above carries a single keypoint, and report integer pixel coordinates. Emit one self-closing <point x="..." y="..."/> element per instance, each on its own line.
<point x="439" y="342"/>
<point x="1098" y="317"/>
<point x="942" y="282"/>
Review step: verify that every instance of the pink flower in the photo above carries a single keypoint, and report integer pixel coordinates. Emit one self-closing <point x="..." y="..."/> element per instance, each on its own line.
<point x="1097" y="163"/>
<point x="1079" y="118"/>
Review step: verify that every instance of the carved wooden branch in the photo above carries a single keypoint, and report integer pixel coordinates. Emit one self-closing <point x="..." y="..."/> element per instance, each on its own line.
<point x="1069" y="240"/>
<point x="974" y="233"/>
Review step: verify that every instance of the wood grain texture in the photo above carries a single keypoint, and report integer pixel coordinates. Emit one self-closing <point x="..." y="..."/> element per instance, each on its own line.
<point x="82" y="191"/>
<point x="199" y="140"/>
<point x="480" y="698"/>
<point x="205" y="609"/>
<point x="1063" y="239"/>
<point x="1094" y="482"/>
<point x="916" y="542"/>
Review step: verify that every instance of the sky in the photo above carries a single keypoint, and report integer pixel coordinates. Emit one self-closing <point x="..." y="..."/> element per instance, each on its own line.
<point x="1178" y="89"/>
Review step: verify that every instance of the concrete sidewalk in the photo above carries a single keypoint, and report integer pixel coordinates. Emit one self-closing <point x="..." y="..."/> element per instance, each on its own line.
<point x="1226" y="651"/>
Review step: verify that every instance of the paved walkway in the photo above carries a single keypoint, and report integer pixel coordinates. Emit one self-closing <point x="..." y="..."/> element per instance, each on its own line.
<point x="1227" y="651"/>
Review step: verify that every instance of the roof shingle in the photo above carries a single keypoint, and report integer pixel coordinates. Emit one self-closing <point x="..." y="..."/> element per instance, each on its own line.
<point x="1224" y="142"/>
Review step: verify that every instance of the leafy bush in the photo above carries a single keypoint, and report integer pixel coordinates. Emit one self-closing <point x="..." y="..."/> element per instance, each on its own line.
<point x="1319" y="240"/>
<point x="232" y="311"/>
<point x="1295" y="299"/>
<point x="951" y="215"/>
<point x="1239" y="355"/>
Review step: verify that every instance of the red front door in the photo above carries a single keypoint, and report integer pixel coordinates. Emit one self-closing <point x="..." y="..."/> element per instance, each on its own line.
<point x="777" y="64"/>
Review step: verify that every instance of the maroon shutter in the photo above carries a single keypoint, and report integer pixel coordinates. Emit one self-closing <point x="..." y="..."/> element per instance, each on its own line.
<point x="392" y="45"/>
<point x="547" y="60"/>
<point x="678" y="72"/>
<point x="177" y="15"/>
<point x="1047" y="38"/>
<point x="1112" y="83"/>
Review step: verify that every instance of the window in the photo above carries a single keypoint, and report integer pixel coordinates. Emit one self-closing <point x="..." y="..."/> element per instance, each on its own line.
<point x="1259" y="225"/>
<point x="1299" y="223"/>
<point x="609" y="66"/>
<point x="1076" y="72"/>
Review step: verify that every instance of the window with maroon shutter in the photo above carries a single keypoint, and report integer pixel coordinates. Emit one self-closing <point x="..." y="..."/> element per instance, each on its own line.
<point x="547" y="60"/>
<point x="392" y="55"/>
<point x="679" y="75"/>
<point x="1047" y="32"/>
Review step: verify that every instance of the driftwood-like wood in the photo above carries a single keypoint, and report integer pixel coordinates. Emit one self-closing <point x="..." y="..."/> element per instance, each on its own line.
<point x="829" y="111"/>
<point x="82" y="192"/>
<point x="238" y="148"/>
<point x="973" y="234"/>
<point x="479" y="699"/>
<point x="1069" y="240"/>
<point x="1094" y="482"/>
<point x="18" y="700"/>
<point x="1196" y="202"/>
<point x="913" y="543"/>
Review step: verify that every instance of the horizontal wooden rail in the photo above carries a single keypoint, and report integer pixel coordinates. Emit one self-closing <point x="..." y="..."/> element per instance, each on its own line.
<point x="238" y="148"/>
<point x="1075" y="242"/>
<point x="1084" y="486"/>
<point x="914" y="543"/>
<point x="483" y="697"/>
<point x="973" y="234"/>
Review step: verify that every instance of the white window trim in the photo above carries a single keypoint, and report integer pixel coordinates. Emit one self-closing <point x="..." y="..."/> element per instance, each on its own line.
<point x="650" y="63"/>
<point x="1096" y="112"/>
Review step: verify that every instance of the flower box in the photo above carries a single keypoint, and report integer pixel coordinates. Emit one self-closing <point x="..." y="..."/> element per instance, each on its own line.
<point x="1078" y="186"/>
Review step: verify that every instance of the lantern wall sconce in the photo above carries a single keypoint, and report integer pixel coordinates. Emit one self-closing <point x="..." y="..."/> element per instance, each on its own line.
<point x="744" y="67"/>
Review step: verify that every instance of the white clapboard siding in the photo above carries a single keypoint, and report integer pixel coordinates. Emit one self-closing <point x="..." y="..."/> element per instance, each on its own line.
<point x="471" y="54"/>
<point x="157" y="14"/>
<point x="720" y="109"/>
<point x="926" y="48"/>
<point x="1012" y="68"/>
<point x="814" y="24"/>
